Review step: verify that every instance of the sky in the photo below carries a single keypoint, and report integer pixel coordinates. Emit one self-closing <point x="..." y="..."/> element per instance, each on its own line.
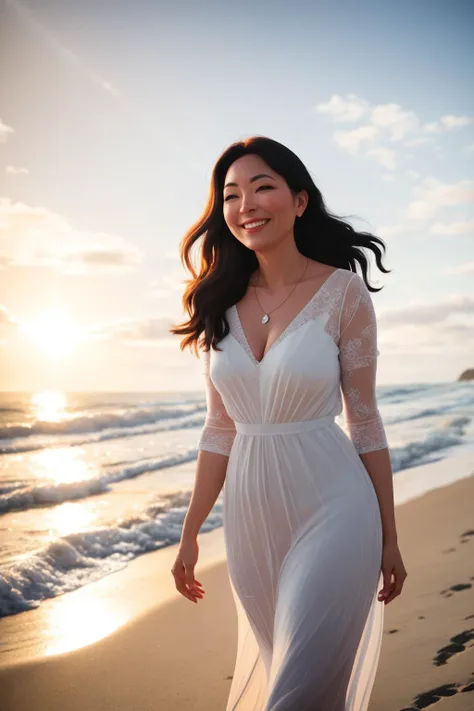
<point x="112" y="115"/>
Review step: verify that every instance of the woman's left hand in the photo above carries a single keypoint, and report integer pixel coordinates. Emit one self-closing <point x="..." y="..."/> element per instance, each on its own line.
<point x="392" y="563"/>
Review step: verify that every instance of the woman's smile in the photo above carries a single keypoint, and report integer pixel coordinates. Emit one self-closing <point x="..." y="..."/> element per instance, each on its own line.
<point x="257" y="226"/>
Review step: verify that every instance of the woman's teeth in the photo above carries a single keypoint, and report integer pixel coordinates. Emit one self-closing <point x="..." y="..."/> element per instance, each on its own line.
<point x="252" y="225"/>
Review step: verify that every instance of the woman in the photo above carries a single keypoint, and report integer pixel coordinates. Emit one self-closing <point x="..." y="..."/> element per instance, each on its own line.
<point x="288" y="334"/>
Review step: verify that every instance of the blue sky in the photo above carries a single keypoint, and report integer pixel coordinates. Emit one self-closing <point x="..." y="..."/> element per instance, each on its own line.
<point x="112" y="115"/>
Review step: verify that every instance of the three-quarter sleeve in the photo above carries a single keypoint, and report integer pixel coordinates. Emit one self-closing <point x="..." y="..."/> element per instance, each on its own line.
<point x="358" y="364"/>
<point x="219" y="430"/>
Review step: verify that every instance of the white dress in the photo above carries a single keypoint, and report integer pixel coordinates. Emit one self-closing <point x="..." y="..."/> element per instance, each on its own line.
<point x="302" y="524"/>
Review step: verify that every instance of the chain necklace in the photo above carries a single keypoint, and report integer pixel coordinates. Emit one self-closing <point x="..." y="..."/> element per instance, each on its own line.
<point x="266" y="316"/>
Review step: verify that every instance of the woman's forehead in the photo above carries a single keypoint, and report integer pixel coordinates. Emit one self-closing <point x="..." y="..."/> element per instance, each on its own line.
<point x="247" y="166"/>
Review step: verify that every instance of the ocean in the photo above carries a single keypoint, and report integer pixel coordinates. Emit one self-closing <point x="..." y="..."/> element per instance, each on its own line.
<point x="90" y="481"/>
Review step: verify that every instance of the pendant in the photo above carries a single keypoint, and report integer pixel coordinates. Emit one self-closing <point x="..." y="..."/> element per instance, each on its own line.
<point x="266" y="318"/>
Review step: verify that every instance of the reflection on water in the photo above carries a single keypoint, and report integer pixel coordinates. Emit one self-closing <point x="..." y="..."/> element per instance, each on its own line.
<point x="62" y="465"/>
<point x="71" y="518"/>
<point x="49" y="406"/>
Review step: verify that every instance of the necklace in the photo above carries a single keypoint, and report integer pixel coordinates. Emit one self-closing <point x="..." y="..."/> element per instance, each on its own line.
<point x="266" y="316"/>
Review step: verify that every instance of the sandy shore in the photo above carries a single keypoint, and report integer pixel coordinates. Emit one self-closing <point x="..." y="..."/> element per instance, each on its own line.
<point x="177" y="655"/>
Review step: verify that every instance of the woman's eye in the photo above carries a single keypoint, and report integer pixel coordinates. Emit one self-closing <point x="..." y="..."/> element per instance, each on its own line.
<point x="259" y="188"/>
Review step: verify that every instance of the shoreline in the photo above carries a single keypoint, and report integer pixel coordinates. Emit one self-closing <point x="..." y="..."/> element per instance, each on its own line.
<point x="171" y="652"/>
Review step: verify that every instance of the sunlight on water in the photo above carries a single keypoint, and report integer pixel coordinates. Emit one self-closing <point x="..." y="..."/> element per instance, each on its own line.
<point x="62" y="465"/>
<point x="70" y="518"/>
<point x="49" y="405"/>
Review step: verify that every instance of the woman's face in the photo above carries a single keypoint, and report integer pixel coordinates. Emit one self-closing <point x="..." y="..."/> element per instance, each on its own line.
<point x="253" y="198"/>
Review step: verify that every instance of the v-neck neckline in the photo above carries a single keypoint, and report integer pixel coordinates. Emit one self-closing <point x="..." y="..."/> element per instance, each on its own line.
<point x="278" y="338"/>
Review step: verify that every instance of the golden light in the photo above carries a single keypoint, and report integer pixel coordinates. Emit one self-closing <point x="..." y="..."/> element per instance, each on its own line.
<point x="49" y="405"/>
<point x="82" y="618"/>
<point x="62" y="465"/>
<point x="53" y="332"/>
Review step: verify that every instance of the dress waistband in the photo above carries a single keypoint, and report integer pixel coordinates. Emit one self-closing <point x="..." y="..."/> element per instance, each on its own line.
<point x="269" y="428"/>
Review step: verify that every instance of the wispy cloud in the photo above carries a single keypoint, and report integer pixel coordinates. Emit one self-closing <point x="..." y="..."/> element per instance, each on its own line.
<point x="466" y="268"/>
<point x="40" y="29"/>
<point x="343" y="109"/>
<point x="425" y="314"/>
<point x="36" y="236"/>
<point x="5" y="131"/>
<point x="453" y="228"/>
<point x="397" y="122"/>
<point x="383" y="123"/>
<point x="145" y="329"/>
<point x="432" y="195"/>
<point x="354" y="140"/>
<point x="12" y="170"/>
<point x="447" y="123"/>
<point x="385" y="156"/>
<point x="6" y="317"/>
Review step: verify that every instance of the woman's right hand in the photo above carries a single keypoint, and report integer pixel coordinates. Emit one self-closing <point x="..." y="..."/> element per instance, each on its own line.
<point x="183" y="571"/>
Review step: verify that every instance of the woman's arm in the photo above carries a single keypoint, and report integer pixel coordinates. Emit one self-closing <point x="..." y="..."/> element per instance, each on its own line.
<point x="358" y="361"/>
<point x="214" y="445"/>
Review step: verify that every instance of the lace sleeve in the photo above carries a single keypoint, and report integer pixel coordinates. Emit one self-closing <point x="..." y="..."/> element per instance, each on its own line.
<point x="358" y="362"/>
<point x="219" y="430"/>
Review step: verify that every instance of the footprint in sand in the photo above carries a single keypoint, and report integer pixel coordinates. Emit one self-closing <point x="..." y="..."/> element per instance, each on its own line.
<point x="465" y="536"/>
<point x="432" y="696"/>
<point x="455" y="588"/>
<point x="458" y="644"/>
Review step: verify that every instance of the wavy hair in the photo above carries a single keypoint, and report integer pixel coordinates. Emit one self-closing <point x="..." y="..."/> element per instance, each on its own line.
<point x="225" y="264"/>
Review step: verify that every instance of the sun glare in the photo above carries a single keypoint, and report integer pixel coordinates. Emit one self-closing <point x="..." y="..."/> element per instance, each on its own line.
<point x="49" y="405"/>
<point x="53" y="332"/>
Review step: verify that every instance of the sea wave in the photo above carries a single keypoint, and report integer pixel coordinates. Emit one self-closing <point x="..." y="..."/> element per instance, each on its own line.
<point x="71" y="561"/>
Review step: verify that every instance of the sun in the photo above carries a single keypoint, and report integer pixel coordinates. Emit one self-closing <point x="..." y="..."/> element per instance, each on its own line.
<point x="54" y="333"/>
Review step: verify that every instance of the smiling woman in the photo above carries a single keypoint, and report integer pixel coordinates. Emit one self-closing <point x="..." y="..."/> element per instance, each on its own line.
<point x="272" y="191"/>
<point x="308" y="512"/>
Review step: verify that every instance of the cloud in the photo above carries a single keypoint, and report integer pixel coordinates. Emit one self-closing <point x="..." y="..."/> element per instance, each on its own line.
<point x="5" y="131"/>
<point x="6" y="318"/>
<point x="353" y="140"/>
<point x="38" y="237"/>
<point x="432" y="195"/>
<point x="390" y="230"/>
<point x="424" y="314"/>
<point x="466" y="268"/>
<point x="351" y="108"/>
<point x="395" y="120"/>
<point x="146" y="329"/>
<point x="383" y="122"/>
<point x="418" y="141"/>
<point x="11" y="170"/>
<point x="385" y="156"/>
<point x="447" y="123"/>
<point x="453" y="228"/>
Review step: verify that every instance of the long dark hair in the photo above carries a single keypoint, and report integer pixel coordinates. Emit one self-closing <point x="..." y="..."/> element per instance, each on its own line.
<point x="226" y="264"/>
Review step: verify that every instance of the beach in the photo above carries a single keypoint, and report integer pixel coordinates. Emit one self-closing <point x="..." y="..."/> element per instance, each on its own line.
<point x="172" y="654"/>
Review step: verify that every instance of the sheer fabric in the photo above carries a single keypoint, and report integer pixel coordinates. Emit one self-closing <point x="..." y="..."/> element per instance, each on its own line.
<point x="353" y="327"/>
<point x="302" y="525"/>
<point x="219" y="430"/>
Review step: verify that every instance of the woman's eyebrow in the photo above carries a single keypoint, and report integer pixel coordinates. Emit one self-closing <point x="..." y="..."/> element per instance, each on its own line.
<point x="252" y="180"/>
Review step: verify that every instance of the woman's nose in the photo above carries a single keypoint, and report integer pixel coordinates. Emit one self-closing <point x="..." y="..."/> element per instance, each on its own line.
<point x="247" y="204"/>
